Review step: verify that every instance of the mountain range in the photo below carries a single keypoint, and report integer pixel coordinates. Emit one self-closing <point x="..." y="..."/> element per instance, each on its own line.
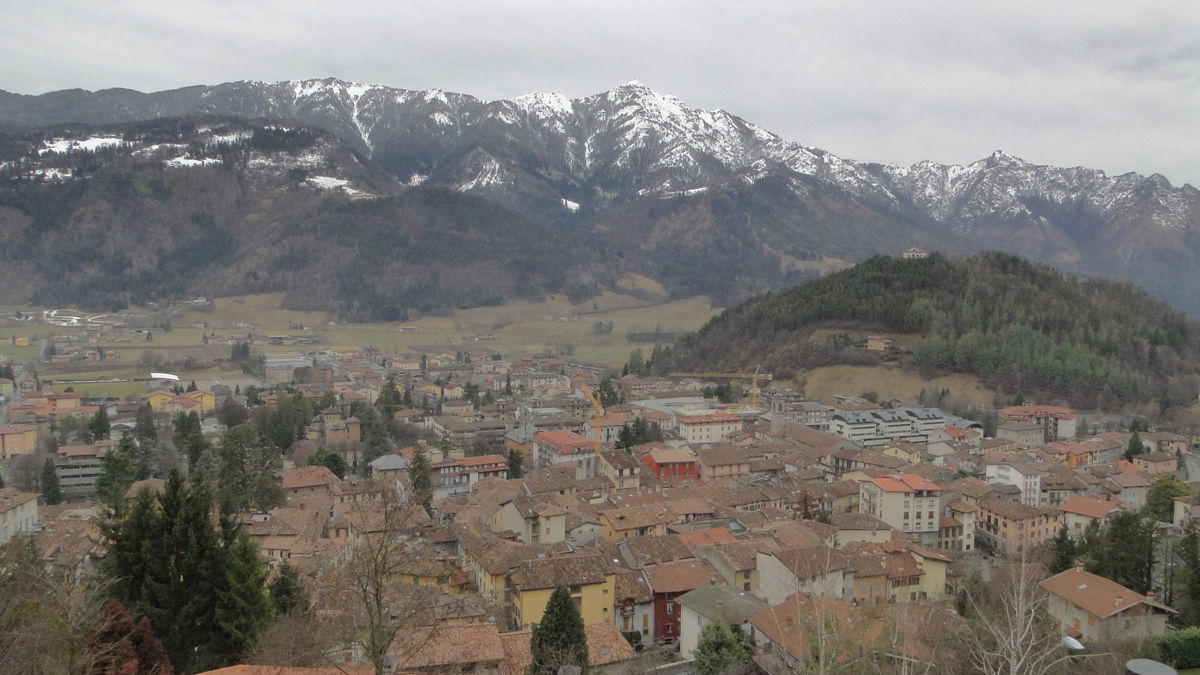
<point x="702" y="201"/>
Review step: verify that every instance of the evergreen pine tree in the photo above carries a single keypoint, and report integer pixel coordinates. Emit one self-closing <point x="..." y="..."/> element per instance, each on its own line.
<point x="287" y="594"/>
<point x="126" y="563"/>
<point x="559" y="638"/>
<point x="418" y="476"/>
<point x="719" y="652"/>
<point x="388" y="401"/>
<point x="118" y="470"/>
<point x="51" y="491"/>
<point x="516" y="459"/>
<point x="145" y="429"/>
<point x="1136" y="447"/>
<point x="243" y="608"/>
<point x="98" y="425"/>
<point x="1062" y="551"/>
<point x="1189" y="555"/>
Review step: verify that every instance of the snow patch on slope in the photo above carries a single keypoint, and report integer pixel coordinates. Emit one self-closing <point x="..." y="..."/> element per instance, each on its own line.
<point x="61" y="146"/>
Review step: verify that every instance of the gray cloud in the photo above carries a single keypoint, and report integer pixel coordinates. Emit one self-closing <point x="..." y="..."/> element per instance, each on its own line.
<point x="1104" y="84"/>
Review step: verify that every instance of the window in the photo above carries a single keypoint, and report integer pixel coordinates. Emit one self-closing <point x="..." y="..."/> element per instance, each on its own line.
<point x="906" y="515"/>
<point x="746" y="587"/>
<point x="670" y="608"/>
<point x="670" y="628"/>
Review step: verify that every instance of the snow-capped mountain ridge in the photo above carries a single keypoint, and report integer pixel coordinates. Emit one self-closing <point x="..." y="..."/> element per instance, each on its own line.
<point x="633" y="140"/>
<point x="569" y="161"/>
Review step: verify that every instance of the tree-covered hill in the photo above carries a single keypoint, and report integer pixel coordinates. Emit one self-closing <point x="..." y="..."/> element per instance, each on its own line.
<point x="1020" y="326"/>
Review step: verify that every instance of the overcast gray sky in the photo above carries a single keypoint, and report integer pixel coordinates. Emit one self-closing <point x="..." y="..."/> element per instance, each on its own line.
<point x="1107" y="85"/>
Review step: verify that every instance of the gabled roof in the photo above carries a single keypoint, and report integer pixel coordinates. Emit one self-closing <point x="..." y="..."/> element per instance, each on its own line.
<point x="568" y="570"/>
<point x="309" y="476"/>
<point x="1096" y="595"/>
<point x="1092" y="507"/>
<point x="681" y="576"/>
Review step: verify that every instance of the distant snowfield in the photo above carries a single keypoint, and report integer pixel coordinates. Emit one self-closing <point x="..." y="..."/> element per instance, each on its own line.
<point x="332" y="183"/>
<point x="187" y="161"/>
<point x="91" y="144"/>
<point x="327" y="182"/>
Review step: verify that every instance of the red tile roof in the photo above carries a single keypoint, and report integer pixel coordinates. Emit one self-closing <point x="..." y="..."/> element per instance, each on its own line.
<point x="1095" y="594"/>
<point x="904" y="482"/>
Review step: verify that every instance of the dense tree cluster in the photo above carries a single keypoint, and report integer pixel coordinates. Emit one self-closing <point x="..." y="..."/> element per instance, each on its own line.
<point x="196" y="577"/>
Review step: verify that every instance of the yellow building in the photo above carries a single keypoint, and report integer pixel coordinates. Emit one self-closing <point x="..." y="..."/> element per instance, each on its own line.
<point x="158" y="399"/>
<point x="17" y="439"/>
<point x="587" y="577"/>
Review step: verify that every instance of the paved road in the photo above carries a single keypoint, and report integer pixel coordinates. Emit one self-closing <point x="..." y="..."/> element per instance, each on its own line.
<point x="1191" y="464"/>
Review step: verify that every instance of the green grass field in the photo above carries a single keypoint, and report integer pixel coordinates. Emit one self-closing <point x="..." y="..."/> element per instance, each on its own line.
<point x="520" y="329"/>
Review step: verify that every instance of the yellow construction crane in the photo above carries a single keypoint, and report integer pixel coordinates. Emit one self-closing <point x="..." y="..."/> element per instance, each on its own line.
<point x="595" y="420"/>
<point x="753" y="377"/>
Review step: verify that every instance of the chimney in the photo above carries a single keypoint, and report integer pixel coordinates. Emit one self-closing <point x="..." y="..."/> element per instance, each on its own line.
<point x="1149" y="595"/>
<point x="1118" y="601"/>
<point x="1078" y="565"/>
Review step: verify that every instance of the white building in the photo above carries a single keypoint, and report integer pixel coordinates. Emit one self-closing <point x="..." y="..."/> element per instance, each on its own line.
<point x="18" y="513"/>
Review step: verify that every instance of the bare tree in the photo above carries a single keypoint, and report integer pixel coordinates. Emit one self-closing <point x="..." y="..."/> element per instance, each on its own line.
<point x="367" y="589"/>
<point x="44" y="618"/>
<point x="1011" y="632"/>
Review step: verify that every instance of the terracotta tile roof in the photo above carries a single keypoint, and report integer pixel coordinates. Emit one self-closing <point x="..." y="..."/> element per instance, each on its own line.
<point x="813" y="561"/>
<point x="743" y="555"/>
<point x="606" y="646"/>
<point x="800" y="533"/>
<point x="1091" y="507"/>
<point x="448" y="646"/>
<point x="708" y="537"/>
<point x="722" y="455"/>
<point x="858" y="521"/>
<point x="905" y="482"/>
<point x="714" y="418"/>
<point x="681" y="576"/>
<point x="568" y="570"/>
<point x="790" y="625"/>
<point x="631" y="586"/>
<point x="638" y="552"/>
<point x="1095" y="594"/>
<point x="308" y="476"/>
<point x="664" y="455"/>
<point x="638" y="517"/>
<point x="482" y="460"/>
<point x="1013" y="511"/>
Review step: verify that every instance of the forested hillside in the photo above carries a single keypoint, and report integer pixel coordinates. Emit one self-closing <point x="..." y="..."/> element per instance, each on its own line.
<point x="1021" y="326"/>
<point x="152" y="211"/>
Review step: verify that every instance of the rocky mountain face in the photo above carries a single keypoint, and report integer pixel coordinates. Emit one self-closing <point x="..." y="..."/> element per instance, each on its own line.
<point x="648" y="176"/>
<point x="214" y="206"/>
